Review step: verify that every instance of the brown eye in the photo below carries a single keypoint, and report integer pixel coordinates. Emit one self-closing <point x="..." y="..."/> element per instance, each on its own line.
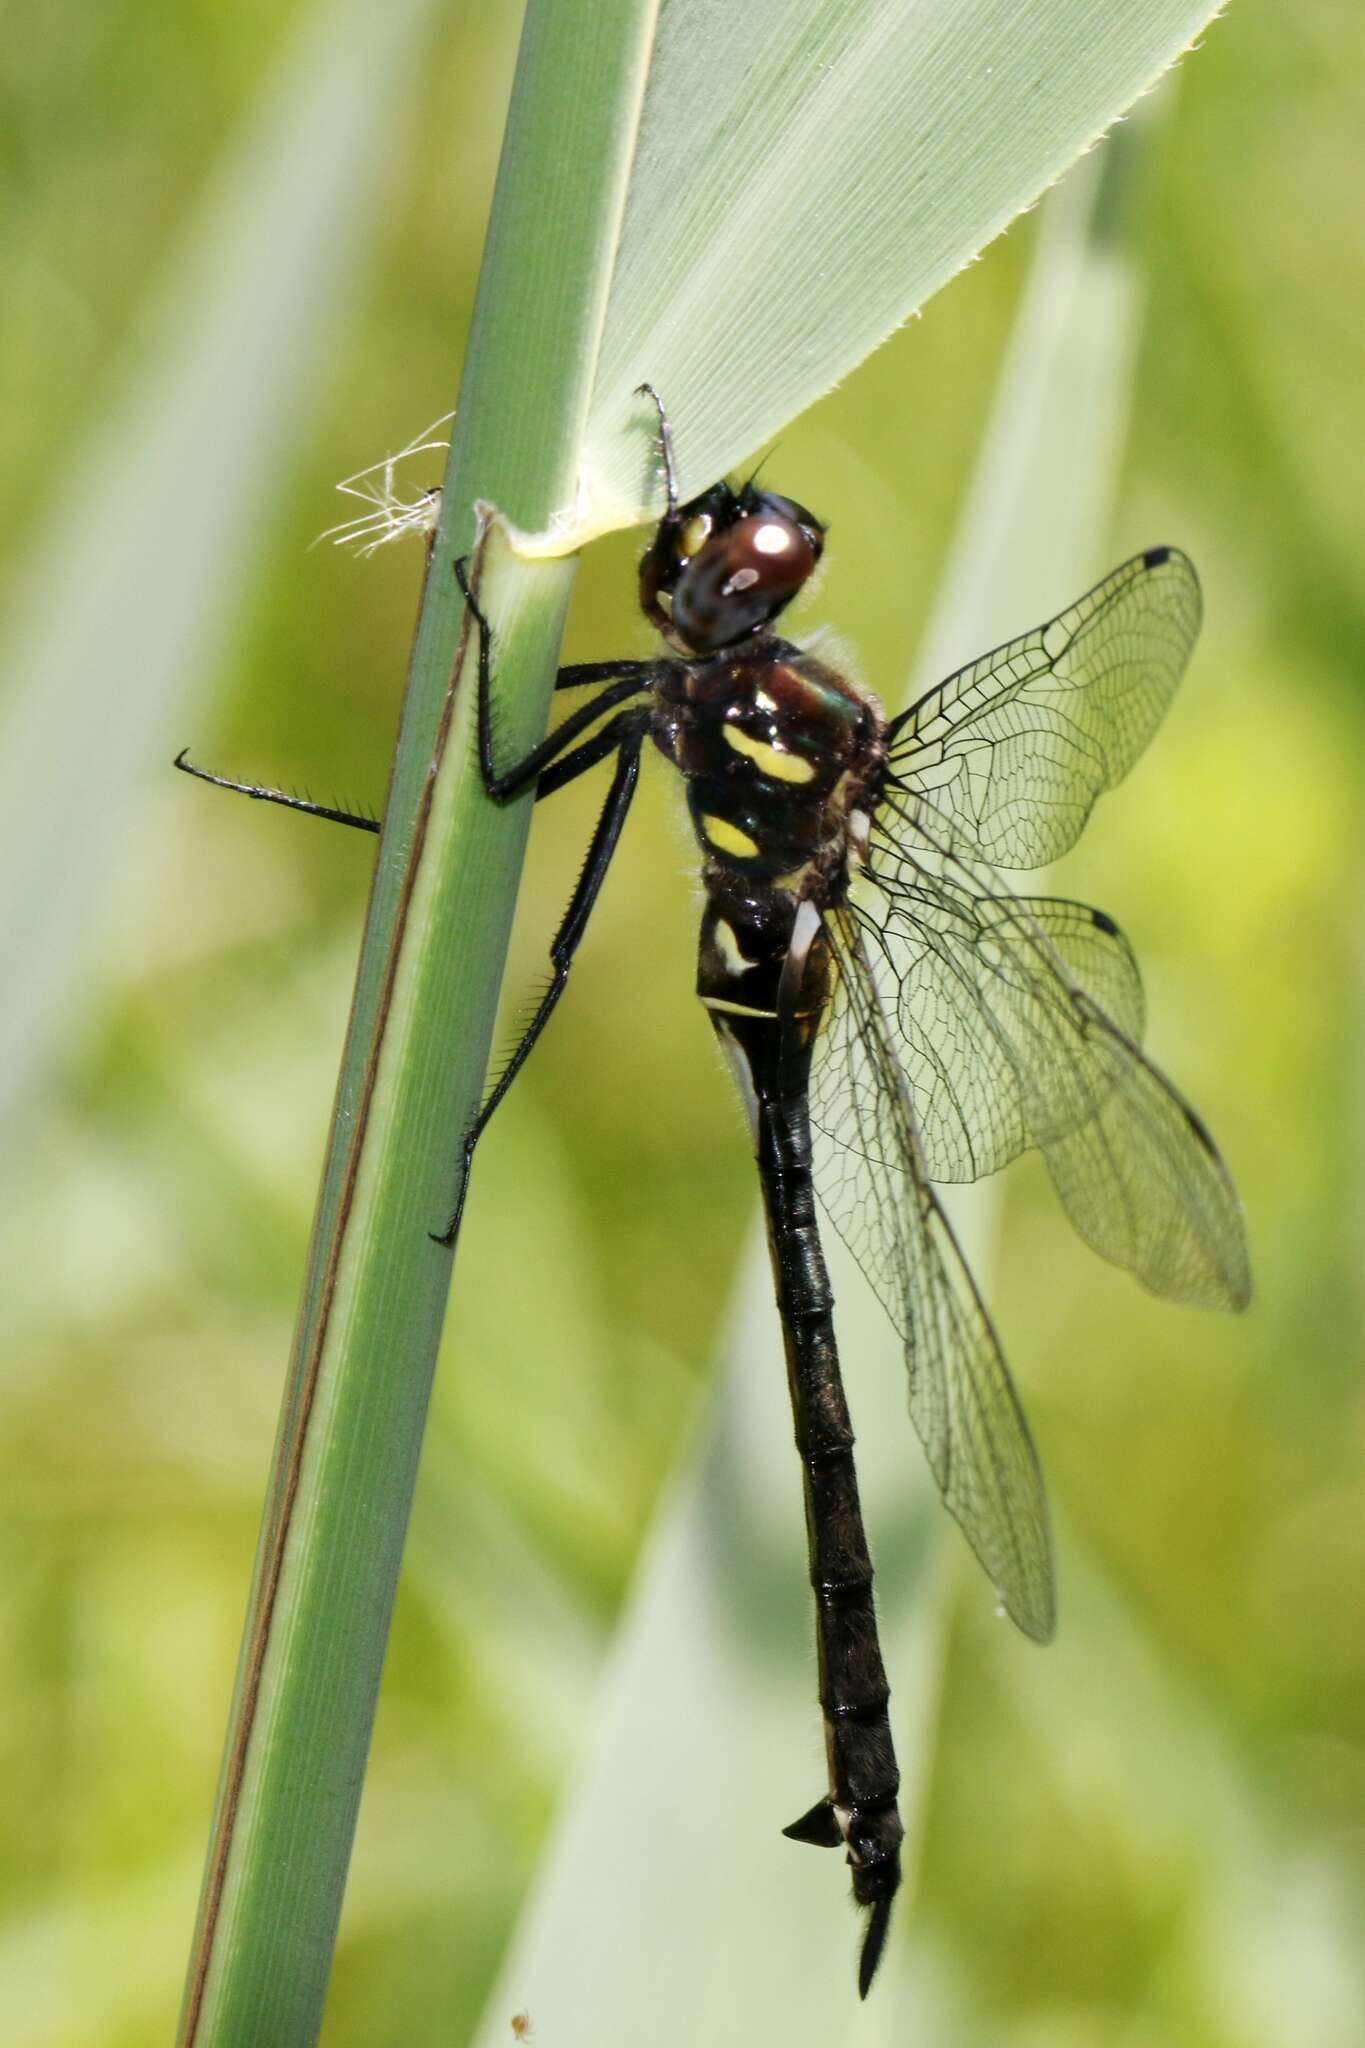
<point x="739" y="580"/>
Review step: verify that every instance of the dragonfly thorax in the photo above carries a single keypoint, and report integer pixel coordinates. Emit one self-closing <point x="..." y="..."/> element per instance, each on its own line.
<point x="776" y="749"/>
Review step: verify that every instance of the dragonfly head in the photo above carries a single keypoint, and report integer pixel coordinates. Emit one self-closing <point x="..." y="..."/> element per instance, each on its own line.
<point x="728" y="562"/>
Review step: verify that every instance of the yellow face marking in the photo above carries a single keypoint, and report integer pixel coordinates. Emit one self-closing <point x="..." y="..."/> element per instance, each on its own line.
<point x="727" y="838"/>
<point x="771" y="760"/>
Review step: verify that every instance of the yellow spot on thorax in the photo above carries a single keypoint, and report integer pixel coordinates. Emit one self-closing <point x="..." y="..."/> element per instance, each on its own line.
<point x="727" y="838"/>
<point x="729" y="949"/>
<point x="771" y="760"/>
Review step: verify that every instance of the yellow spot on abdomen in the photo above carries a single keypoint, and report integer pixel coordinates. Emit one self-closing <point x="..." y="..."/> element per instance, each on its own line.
<point x="727" y="838"/>
<point x="734" y="1009"/>
<point x="771" y="760"/>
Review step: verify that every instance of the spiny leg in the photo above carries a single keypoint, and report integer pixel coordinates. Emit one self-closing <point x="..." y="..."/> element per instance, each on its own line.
<point x="665" y="447"/>
<point x="625" y="735"/>
<point x="558" y="759"/>
<point x="629" y="678"/>
<point x="663" y="547"/>
<point x="633" y="678"/>
<point x="261" y="793"/>
<point x="578" y="673"/>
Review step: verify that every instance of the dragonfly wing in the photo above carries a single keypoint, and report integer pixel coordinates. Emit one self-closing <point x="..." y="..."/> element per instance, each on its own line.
<point x="875" y="1189"/>
<point x="1016" y="747"/>
<point x="949" y="957"/>
<point x="1052" y="990"/>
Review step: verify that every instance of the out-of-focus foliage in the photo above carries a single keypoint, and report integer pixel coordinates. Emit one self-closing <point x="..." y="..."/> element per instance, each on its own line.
<point x="156" y="1213"/>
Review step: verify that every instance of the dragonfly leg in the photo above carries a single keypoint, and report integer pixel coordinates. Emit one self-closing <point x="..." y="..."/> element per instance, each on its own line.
<point x="576" y="674"/>
<point x="633" y="677"/>
<point x="628" y="678"/>
<point x="263" y="794"/>
<point x="625" y="736"/>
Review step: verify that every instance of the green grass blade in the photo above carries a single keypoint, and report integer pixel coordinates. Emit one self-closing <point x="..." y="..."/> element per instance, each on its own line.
<point x="413" y="1071"/>
<point x="810" y="175"/>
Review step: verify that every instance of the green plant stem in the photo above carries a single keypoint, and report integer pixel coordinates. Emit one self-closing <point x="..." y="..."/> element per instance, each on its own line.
<point x="375" y="1294"/>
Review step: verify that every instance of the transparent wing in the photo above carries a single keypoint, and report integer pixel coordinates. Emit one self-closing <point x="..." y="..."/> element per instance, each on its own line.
<point x="1020" y="1018"/>
<point x="1016" y="747"/>
<point x="875" y="1190"/>
<point x="954" y="960"/>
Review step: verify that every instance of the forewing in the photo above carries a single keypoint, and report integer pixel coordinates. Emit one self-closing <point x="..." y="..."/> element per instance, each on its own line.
<point x="875" y="1190"/>
<point x="1021" y="1018"/>
<point x="1016" y="747"/>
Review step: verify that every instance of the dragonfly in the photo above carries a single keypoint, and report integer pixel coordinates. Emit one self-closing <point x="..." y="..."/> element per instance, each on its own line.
<point x="897" y="1016"/>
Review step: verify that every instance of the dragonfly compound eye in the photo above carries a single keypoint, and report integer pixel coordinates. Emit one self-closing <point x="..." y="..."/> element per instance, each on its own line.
<point x="740" y="579"/>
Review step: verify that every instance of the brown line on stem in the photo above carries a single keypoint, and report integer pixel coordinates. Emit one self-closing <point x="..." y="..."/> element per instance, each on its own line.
<point x="273" y="1563"/>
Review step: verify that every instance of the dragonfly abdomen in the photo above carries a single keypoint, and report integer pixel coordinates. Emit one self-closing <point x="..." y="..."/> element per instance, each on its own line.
<point x="859" y="1812"/>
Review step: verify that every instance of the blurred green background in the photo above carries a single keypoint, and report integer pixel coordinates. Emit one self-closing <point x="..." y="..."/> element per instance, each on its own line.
<point x="161" y="1156"/>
